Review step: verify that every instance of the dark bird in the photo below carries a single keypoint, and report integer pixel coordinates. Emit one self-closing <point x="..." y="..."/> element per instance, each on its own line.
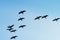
<point x="44" y="16"/>
<point x="13" y="37"/>
<point x="21" y="19"/>
<point x="12" y="30"/>
<point x="22" y="12"/>
<point x="10" y="26"/>
<point x="38" y="17"/>
<point x="22" y="26"/>
<point x="56" y="19"/>
<point x="9" y="29"/>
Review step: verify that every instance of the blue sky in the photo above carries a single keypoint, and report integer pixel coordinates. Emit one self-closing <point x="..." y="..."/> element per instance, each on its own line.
<point x="43" y="29"/>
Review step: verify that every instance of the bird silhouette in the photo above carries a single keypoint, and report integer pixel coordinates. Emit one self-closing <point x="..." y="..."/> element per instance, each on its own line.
<point x="9" y="29"/>
<point x="22" y="26"/>
<point x="20" y="19"/>
<point x="13" y="37"/>
<point x="56" y="19"/>
<point x="13" y="30"/>
<point x="38" y="17"/>
<point x="22" y="12"/>
<point x="44" y="16"/>
<point x="10" y="26"/>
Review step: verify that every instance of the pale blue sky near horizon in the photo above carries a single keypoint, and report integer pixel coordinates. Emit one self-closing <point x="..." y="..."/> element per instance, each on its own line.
<point x="43" y="29"/>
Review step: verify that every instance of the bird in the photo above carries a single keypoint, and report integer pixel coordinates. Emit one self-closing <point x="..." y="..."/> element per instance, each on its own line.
<point x="22" y="26"/>
<point x="9" y="29"/>
<point x="13" y="31"/>
<point x="21" y="19"/>
<point x="56" y="19"/>
<point x="22" y="12"/>
<point x="10" y="26"/>
<point x="13" y="37"/>
<point x="38" y="17"/>
<point x="44" y="16"/>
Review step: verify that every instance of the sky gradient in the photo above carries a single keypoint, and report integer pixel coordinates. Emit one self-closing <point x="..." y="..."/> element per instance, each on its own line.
<point x="43" y="29"/>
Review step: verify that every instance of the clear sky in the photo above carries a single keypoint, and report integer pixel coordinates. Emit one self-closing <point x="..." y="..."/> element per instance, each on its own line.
<point x="44" y="29"/>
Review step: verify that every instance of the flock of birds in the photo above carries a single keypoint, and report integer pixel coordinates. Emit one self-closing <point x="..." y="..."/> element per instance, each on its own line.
<point x="11" y="29"/>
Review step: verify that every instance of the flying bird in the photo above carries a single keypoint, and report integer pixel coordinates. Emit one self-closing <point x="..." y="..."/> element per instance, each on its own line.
<point x="13" y="37"/>
<point x="20" y="19"/>
<point x="56" y="19"/>
<point x="22" y="26"/>
<point x="9" y="29"/>
<point x="10" y="26"/>
<point x="45" y="16"/>
<point x="38" y="17"/>
<point x="22" y="12"/>
<point x="12" y="30"/>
